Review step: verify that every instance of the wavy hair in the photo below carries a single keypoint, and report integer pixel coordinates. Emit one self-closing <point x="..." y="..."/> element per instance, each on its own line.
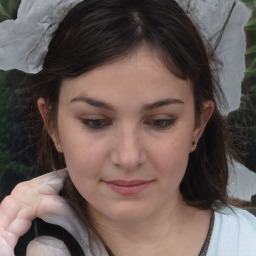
<point x="97" y="32"/>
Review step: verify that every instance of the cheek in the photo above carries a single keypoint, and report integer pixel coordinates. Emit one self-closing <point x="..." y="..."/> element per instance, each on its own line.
<point x="83" y="154"/>
<point x="84" y="163"/>
<point x="84" y="158"/>
<point x="171" y="158"/>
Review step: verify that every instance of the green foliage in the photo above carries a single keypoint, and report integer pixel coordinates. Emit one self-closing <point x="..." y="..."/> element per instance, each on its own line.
<point x="16" y="163"/>
<point x="251" y="25"/>
<point x="13" y="140"/>
<point x="243" y="120"/>
<point x="251" y="50"/>
<point x="8" y="9"/>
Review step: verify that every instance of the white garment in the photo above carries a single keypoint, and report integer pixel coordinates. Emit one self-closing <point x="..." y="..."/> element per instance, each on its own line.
<point x="47" y="246"/>
<point x="234" y="234"/>
<point x="242" y="182"/>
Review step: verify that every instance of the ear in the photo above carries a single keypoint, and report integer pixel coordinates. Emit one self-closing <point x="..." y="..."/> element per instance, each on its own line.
<point x="44" y="108"/>
<point x="205" y="115"/>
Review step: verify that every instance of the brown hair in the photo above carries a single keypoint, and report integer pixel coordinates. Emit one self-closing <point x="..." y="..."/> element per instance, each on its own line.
<point x="96" y="32"/>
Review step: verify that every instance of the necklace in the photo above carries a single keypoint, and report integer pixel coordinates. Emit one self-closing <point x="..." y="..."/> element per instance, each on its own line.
<point x="205" y="247"/>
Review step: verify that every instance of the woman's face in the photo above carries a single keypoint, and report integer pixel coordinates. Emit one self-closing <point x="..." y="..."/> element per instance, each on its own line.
<point x="126" y="130"/>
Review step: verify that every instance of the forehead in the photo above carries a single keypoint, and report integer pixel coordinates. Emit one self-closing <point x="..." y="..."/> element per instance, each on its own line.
<point x="140" y="74"/>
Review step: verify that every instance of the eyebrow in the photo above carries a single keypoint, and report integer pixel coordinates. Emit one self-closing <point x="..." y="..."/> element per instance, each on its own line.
<point x="146" y="107"/>
<point x="161" y="103"/>
<point x="93" y="102"/>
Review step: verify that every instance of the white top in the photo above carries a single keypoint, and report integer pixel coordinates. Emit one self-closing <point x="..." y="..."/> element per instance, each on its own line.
<point x="46" y="245"/>
<point x="242" y="182"/>
<point x="234" y="234"/>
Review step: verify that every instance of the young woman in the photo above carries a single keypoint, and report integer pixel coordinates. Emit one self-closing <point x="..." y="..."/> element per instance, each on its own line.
<point x="129" y="104"/>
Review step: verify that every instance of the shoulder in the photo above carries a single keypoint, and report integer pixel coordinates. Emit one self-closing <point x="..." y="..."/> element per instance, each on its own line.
<point x="236" y="217"/>
<point x="234" y="233"/>
<point x="46" y="245"/>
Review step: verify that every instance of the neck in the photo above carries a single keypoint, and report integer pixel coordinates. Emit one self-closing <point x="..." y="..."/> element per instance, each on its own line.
<point x="159" y="234"/>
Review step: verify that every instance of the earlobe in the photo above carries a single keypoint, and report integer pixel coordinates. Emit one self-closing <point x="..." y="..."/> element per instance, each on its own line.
<point x="43" y="109"/>
<point x="207" y="110"/>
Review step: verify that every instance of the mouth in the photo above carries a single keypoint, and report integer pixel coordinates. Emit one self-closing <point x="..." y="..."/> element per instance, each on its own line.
<point x="128" y="187"/>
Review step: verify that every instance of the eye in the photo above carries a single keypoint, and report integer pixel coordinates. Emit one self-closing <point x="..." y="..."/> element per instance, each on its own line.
<point x="161" y="123"/>
<point x="96" y="124"/>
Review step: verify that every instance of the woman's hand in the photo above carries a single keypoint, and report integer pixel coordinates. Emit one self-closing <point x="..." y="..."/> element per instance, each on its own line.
<point x="38" y="198"/>
<point x="29" y="200"/>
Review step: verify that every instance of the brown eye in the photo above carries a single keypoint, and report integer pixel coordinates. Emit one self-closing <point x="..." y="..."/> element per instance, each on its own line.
<point x="161" y="123"/>
<point x="96" y="124"/>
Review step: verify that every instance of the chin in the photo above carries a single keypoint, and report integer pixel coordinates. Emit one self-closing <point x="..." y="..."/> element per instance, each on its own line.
<point x="128" y="212"/>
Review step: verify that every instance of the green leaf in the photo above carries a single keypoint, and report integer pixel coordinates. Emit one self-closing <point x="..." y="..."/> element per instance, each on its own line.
<point x="253" y="90"/>
<point x="249" y="3"/>
<point x="3" y="76"/>
<point x="250" y="71"/>
<point x="3" y="12"/>
<point x="251" y="25"/>
<point x="8" y="9"/>
<point x="251" y="50"/>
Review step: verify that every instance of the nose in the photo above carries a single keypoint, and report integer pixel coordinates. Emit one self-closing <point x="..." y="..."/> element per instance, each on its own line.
<point x="128" y="151"/>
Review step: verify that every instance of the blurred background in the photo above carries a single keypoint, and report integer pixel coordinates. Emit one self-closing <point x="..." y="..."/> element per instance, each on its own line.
<point x="17" y="154"/>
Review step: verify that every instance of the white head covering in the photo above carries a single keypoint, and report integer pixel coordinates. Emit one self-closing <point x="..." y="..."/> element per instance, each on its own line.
<point x="24" y="41"/>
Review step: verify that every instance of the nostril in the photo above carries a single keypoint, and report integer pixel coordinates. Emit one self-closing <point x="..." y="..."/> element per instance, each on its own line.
<point x="128" y="160"/>
<point x="127" y="149"/>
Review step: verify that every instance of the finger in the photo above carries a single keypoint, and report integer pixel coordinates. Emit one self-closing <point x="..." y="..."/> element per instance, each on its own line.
<point x="17" y="228"/>
<point x="8" y="239"/>
<point x="58" y="212"/>
<point x="9" y="209"/>
<point x="6" y="249"/>
<point x="52" y="175"/>
<point x="29" y="192"/>
<point x="50" y="183"/>
<point x="25" y="203"/>
<point x="11" y="226"/>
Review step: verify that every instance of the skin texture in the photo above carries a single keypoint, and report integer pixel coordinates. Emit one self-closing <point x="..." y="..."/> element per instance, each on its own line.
<point x="39" y="198"/>
<point x="136" y="139"/>
<point x="28" y="200"/>
<point x="132" y="142"/>
<point x="129" y="147"/>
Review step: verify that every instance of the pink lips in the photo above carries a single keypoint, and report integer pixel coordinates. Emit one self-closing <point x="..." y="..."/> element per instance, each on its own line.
<point x="128" y="187"/>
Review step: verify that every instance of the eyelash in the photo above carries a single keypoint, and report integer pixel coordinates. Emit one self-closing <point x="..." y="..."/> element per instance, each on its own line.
<point x="96" y="124"/>
<point x="162" y="124"/>
<point x="100" y="124"/>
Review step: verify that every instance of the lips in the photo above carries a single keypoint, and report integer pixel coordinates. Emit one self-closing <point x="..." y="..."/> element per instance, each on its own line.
<point x="128" y="187"/>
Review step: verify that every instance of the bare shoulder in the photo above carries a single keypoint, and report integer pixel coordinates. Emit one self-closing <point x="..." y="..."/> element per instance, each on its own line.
<point x="46" y="245"/>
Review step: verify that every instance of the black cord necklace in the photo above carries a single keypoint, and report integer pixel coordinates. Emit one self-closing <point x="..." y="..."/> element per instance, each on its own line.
<point x="204" y="249"/>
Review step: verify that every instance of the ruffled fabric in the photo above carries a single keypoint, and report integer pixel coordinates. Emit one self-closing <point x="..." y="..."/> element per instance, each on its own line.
<point x="210" y="17"/>
<point x="24" y="41"/>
